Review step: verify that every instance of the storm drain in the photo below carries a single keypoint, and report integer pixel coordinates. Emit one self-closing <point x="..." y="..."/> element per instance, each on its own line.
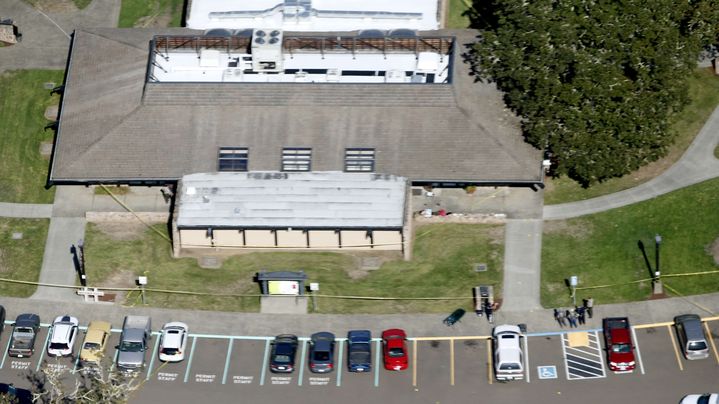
<point x="583" y="360"/>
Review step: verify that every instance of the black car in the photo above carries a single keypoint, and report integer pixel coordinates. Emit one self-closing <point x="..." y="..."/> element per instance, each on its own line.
<point x="2" y="319"/>
<point x="359" y="356"/>
<point x="24" y="333"/>
<point x="322" y="352"/>
<point x="284" y="350"/>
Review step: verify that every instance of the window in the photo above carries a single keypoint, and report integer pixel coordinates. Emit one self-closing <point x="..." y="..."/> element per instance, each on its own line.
<point x="359" y="160"/>
<point x="233" y="159"/>
<point x="296" y="159"/>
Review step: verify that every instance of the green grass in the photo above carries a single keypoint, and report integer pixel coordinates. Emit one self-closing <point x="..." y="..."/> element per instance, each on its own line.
<point x="133" y="11"/>
<point x="442" y="267"/>
<point x="704" y="93"/>
<point x="23" y="101"/>
<point x="81" y="4"/>
<point x="716" y="152"/>
<point x="21" y="259"/>
<point x="456" y="18"/>
<point x="602" y="248"/>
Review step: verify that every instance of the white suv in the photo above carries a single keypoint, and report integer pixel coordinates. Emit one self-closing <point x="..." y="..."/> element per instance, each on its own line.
<point x="62" y="336"/>
<point x="508" y="355"/>
<point x="173" y="342"/>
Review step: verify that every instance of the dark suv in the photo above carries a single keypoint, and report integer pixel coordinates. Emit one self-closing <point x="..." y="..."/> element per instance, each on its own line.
<point x="284" y="350"/>
<point x="322" y="352"/>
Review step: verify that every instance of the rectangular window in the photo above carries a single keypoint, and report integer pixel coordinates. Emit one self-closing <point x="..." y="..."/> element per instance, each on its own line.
<point x="359" y="160"/>
<point x="232" y="159"/>
<point x="296" y="158"/>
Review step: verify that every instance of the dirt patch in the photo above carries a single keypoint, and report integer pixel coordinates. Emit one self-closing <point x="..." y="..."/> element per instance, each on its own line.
<point x="122" y="230"/>
<point x="365" y="263"/>
<point x="54" y="6"/>
<point x="712" y="250"/>
<point x="578" y="229"/>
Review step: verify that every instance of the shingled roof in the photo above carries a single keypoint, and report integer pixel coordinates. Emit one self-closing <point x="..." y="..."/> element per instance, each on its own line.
<point x="115" y="127"/>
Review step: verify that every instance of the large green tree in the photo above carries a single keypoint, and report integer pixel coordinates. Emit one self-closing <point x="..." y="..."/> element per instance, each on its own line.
<point x="596" y="82"/>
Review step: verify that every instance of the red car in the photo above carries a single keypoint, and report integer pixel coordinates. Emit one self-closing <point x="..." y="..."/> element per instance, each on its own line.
<point x="394" y="349"/>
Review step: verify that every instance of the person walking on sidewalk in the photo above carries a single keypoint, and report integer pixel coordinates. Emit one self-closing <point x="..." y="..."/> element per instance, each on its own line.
<point x="589" y="306"/>
<point x="559" y="316"/>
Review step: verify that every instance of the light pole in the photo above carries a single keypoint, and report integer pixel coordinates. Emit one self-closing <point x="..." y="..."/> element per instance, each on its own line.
<point x="657" y="284"/>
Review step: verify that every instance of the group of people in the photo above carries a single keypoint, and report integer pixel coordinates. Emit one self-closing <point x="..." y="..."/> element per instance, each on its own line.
<point x="576" y="316"/>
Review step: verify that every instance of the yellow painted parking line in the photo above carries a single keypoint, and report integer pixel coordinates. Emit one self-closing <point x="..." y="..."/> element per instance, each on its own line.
<point x="489" y="361"/>
<point x="451" y="362"/>
<point x="414" y="363"/>
<point x="711" y="341"/>
<point x="676" y="350"/>
<point x="578" y="339"/>
<point x="714" y="318"/>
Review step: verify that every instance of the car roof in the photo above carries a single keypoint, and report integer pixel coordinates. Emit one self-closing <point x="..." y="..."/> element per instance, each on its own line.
<point x="506" y="328"/>
<point x="61" y="332"/>
<point x="359" y="336"/>
<point x="172" y="339"/>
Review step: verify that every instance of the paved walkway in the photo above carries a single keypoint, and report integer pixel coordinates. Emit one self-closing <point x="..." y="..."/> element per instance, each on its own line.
<point x="25" y="210"/>
<point x="522" y="265"/>
<point x="698" y="164"/>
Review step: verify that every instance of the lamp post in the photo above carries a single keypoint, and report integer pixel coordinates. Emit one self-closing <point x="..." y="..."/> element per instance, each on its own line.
<point x="657" y="284"/>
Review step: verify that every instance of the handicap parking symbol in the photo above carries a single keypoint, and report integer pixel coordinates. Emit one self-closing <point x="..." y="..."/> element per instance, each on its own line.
<point x="547" y="372"/>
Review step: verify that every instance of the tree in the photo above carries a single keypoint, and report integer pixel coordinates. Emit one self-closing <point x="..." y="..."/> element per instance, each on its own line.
<point x="58" y="385"/>
<point x="596" y="82"/>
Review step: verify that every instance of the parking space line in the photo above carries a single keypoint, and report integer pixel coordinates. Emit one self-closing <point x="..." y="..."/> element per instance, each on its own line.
<point x="414" y="363"/>
<point x="376" y="363"/>
<point x="302" y="362"/>
<point x="77" y="360"/>
<point x="706" y="327"/>
<point x="490" y="365"/>
<point x="339" y="364"/>
<point x="264" y="362"/>
<point x="227" y="360"/>
<point x="451" y="362"/>
<point x="7" y="348"/>
<point x="676" y="349"/>
<point x="526" y="358"/>
<point x="44" y="347"/>
<point x="639" y="352"/>
<point x="189" y="360"/>
<point x="564" y="355"/>
<point x="114" y="359"/>
<point x="152" y="359"/>
<point x="601" y="352"/>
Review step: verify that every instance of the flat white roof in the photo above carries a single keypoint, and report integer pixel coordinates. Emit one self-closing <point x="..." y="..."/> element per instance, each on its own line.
<point x="314" y="15"/>
<point x="292" y="200"/>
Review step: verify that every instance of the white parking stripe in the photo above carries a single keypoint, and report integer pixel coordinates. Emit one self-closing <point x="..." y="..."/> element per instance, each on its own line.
<point x="7" y="348"/>
<point x="189" y="361"/>
<point x="227" y="360"/>
<point x="302" y="362"/>
<point x="265" y="362"/>
<point x="639" y="354"/>
<point x="339" y="364"/>
<point x="526" y="358"/>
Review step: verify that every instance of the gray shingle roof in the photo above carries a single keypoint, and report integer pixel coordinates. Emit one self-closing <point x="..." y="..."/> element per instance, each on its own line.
<point x="114" y="126"/>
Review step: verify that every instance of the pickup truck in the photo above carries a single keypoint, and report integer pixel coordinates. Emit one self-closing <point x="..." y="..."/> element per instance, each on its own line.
<point x="618" y="342"/>
<point x="134" y="341"/>
<point x="508" y="354"/>
<point x="24" y="333"/>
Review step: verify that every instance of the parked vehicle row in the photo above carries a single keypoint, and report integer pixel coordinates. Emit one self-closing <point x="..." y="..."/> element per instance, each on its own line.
<point x="322" y="351"/>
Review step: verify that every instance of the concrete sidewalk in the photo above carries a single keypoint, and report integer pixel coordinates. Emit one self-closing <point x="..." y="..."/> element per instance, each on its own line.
<point x="416" y="325"/>
<point x="25" y="210"/>
<point x="522" y="269"/>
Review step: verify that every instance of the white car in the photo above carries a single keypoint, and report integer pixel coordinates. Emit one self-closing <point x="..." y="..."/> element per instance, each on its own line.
<point x="62" y="336"/>
<point x="707" y="398"/>
<point x="173" y="342"/>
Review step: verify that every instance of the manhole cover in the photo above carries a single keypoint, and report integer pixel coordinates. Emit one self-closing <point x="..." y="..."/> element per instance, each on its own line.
<point x="49" y="85"/>
<point x="480" y="267"/>
<point x="17" y="236"/>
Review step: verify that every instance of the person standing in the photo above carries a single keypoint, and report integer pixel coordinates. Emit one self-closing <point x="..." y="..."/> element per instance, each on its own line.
<point x="589" y="306"/>
<point x="559" y="317"/>
<point x="572" y="318"/>
<point x="580" y="315"/>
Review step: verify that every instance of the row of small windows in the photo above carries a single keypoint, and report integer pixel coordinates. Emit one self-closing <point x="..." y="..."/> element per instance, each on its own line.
<point x="295" y="159"/>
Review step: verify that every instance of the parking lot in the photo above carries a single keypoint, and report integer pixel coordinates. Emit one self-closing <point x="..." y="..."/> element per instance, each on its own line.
<point x="238" y="364"/>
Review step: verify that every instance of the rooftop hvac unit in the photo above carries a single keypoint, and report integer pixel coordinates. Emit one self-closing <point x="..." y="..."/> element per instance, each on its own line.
<point x="267" y="51"/>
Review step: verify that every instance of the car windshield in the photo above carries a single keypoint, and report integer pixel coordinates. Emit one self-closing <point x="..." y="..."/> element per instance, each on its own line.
<point x="91" y="346"/>
<point x="170" y="351"/>
<point x="282" y="359"/>
<point x="510" y="366"/>
<point x="129" y="346"/>
<point x="621" y="348"/>
<point x="704" y="399"/>
<point x="396" y="352"/>
<point x="58" y="345"/>
<point x="697" y="346"/>
<point x="321" y="356"/>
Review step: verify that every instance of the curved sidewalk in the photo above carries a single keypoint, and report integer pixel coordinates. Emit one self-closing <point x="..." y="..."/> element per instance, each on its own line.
<point x="698" y="164"/>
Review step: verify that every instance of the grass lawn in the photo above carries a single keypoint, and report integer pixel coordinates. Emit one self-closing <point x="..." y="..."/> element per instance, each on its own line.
<point x="21" y="259"/>
<point x="704" y="93"/>
<point x="143" y="13"/>
<point x="602" y="248"/>
<point x="22" y="106"/>
<point x="455" y="17"/>
<point x="442" y="266"/>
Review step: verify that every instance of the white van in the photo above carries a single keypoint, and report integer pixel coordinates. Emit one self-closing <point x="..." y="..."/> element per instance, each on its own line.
<point x="508" y="354"/>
